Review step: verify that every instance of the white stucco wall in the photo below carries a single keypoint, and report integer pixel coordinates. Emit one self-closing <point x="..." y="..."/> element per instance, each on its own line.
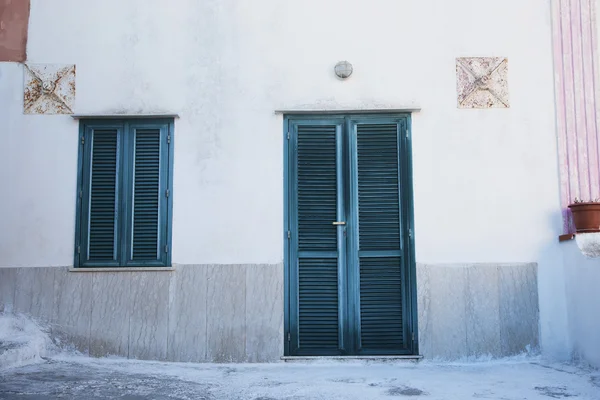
<point x="583" y="297"/>
<point x="485" y="181"/>
<point x="582" y="279"/>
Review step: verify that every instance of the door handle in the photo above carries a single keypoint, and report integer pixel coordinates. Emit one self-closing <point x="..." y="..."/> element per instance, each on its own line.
<point x="339" y="223"/>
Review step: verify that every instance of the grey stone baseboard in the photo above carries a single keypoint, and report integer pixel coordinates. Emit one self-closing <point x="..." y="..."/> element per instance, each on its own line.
<point x="477" y="310"/>
<point x="203" y="313"/>
<point x="234" y="313"/>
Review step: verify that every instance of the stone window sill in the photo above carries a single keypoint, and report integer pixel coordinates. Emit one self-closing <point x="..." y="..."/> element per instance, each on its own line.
<point x="124" y="269"/>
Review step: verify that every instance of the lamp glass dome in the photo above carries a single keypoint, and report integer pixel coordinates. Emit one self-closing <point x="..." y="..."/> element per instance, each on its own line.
<point x="343" y="69"/>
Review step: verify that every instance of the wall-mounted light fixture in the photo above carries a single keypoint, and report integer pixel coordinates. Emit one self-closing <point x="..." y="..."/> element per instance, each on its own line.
<point x="343" y="69"/>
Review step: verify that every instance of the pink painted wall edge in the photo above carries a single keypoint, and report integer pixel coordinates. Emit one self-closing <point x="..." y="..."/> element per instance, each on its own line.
<point x="576" y="86"/>
<point x="14" y="21"/>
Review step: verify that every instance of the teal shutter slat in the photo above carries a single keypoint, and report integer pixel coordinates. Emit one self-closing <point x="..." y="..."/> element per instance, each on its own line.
<point x="316" y="238"/>
<point x="378" y="196"/>
<point x="317" y="188"/>
<point x="318" y="311"/>
<point x="103" y="196"/>
<point x="99" y="244"/>
<point x="379" y="238"/>
<point x="146" y="186"/>
<point x="381" y="303"/>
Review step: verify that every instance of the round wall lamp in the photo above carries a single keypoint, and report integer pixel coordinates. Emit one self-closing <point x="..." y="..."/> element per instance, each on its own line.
<point x="343" y="69"/>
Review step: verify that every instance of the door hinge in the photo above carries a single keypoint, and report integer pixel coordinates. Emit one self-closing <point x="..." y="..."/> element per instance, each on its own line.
<point x="80" y="194"/>
<point x="288" y="135"/>
<point x="168" y="138"/>
<point x="166" y="248"/>
<point x="83" y="140"/>
<point x="78" y="249"/>
<point x="289" y="337"/>
<point x="289" y="235"/>
<point x="413" y="337"/>
<point x="167" y="193"/>
<point x="410" y="235"/>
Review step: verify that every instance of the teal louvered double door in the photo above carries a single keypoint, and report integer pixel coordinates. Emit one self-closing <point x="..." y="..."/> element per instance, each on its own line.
<point x="350" y="287"/>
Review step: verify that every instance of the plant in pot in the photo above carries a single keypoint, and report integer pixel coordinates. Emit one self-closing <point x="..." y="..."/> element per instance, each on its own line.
<point x="586" y="215"/>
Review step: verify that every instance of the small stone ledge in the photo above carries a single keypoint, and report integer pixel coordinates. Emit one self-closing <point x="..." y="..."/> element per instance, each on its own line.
<point x="124" y="269"/>
<point x="351" y="358"/>
<point x="347" y="110"/>
<point x="124" y="116"/>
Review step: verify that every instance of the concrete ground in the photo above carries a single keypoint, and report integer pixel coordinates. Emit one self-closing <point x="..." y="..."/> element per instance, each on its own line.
<point x="77" y="377"/>
<point x="34" y="366"/>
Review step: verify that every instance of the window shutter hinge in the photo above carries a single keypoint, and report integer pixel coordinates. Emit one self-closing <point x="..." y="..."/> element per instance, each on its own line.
<point x="167" y="193"/>
<point x="289" y="235"/>
<point x="288" y="135"/>
<point x="80" y="193"/>
<point x="289" y="337"/>
<point x="169" y="139"/>
<point x="78" y="249"/>
<point x="406" y="133"/>
<point x="410" y="235"/>
<point x="413" y="337"/>
<point x="166" y="248"/>
<point x="83" y="140"/>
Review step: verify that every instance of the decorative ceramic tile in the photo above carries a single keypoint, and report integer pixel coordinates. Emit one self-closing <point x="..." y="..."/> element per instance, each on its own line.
<point x="49" y="89"/>
<point x="481" y="82"/>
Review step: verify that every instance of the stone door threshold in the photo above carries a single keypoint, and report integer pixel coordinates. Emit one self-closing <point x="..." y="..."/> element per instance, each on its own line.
<point x="351" y="358"/>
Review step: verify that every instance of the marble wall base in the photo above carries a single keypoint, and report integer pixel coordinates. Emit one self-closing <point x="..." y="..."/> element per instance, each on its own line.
<point x="477" y="310"/>
<point x="234" y="313"/>
<point x="204" y="313"/>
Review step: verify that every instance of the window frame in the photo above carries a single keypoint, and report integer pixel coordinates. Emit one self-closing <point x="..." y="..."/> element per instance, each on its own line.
<point x="126" y="127"/>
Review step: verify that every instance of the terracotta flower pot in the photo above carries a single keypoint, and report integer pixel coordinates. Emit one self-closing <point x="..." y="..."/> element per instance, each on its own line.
<point x="586" y="217"/>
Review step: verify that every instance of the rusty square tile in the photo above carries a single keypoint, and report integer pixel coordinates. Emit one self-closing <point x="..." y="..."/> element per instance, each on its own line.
<point x="49" y="89"/>
<point x="482" y="82"/>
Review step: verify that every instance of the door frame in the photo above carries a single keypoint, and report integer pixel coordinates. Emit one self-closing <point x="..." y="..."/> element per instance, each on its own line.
<point x="405" y="159"/>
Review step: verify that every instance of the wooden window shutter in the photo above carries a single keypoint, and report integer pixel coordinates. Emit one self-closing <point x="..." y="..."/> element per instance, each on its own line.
<point x="99" y="194"/>
<point x="147" y="194"/>
<point x="124" y="209"/>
